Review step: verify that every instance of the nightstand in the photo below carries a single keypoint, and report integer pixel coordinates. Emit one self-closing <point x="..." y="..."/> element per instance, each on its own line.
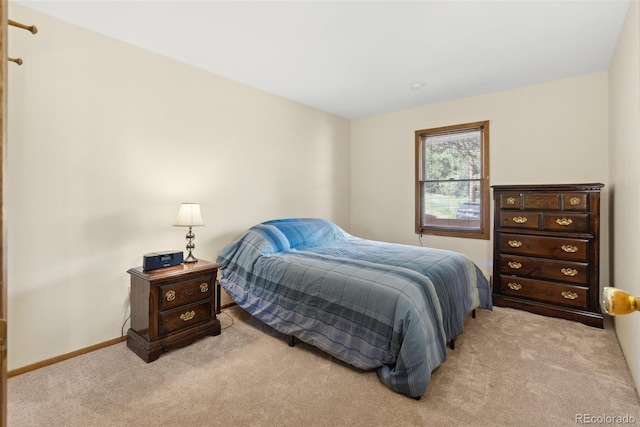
<point x="172" y="307"/>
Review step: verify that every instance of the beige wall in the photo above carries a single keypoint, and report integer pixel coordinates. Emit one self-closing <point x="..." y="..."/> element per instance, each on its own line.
<point x="624" y="116"/>
<point x="105" y="141"/>
<point x="545" y="134"/>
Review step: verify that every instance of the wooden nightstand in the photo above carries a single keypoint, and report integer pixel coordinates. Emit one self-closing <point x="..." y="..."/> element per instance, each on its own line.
<point x="172" y="307"/>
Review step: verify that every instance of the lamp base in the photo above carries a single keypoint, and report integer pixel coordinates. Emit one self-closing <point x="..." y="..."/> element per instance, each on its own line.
<point x="190" y="258"/>
<point x="190" y="246"/>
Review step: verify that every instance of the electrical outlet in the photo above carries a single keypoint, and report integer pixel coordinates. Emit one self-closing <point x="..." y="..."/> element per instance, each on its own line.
<point x="129" y="291"/>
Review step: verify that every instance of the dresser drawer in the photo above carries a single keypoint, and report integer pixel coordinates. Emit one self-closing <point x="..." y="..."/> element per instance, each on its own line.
<point x="184" y="317"/>
<point x="571" y="222"/>
<point x="509" y="201"/>
<point x="181" y="293"/>
<point x="539" y="268"/>
<point x="575" y="202"/>
<point x="550" y="292"/>
<point x="522" y="220"/>
<point x="546" y="247"/>
<point x="541" y="202"/>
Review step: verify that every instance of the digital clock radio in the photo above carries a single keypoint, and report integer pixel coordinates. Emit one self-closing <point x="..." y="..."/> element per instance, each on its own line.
<point x="155" y="260"/>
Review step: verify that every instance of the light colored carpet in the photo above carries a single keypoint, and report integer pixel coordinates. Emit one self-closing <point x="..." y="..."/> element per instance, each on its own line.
<point x="509" y="368"/>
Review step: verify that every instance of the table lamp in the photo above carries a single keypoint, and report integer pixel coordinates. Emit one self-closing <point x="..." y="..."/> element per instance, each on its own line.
<point x="189" y="216"/>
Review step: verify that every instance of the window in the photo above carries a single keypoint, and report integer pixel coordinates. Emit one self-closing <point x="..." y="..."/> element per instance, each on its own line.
<point x="452" y="181"/>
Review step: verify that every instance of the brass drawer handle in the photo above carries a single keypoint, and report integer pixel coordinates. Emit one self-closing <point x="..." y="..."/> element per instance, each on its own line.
<point x="569" y="271"/>
<point x="515" y="243"/>
<point x="511" y="200"/>
<point x="569" y="248"/>
<point x="515" y="265"/>
<point x="188" y="315"/>
<point x="514" y="286"/>
<point x="564" y="221"/>
<point x="204" y="287"/>
<point x="170" y="295"/>
<point x="569" y="295"/>
<point x="519" y="219"/>
<point x="574" y="201"/>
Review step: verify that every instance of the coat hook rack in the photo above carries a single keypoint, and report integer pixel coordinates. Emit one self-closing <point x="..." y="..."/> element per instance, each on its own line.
<point x="31" y="28"/>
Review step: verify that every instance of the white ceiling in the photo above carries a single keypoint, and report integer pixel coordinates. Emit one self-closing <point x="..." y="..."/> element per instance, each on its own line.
<point x="360" y="58"/>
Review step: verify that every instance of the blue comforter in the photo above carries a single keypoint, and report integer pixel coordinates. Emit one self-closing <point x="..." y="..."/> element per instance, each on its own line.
<point x="370" y="304"/>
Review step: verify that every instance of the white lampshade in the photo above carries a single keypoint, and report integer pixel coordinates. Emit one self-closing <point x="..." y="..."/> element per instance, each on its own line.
<point x="189" y="215"/>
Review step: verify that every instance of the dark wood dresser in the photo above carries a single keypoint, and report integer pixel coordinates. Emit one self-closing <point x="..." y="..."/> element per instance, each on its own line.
<point x="546" y="250"/>
<point x="172" y="307"/>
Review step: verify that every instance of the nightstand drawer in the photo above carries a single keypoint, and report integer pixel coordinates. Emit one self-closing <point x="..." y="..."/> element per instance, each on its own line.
<point x="184" y="317"/>
<point x="555" y="293"/>
<point x="181" y="293"/>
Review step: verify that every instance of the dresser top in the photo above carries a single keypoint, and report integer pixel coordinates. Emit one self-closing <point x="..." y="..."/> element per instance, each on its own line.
<point x="549" y="187"/>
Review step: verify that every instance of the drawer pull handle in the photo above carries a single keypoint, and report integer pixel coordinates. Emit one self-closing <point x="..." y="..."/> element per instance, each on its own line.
<point x="519" y="219"/>
<point x="569" y="248"/>
<point x="188" y="315"/>
<point x="569" y="295"/>
<point x="564" y="221"/>
<point x="204" y="287"/>
<point x="511" y="200"/>
<point x="170" y="295"/>
<point x="515" y="243"/>
<point x="515" y="265"/>
<point x="574" y="201"/>
<point x="569" y="271"/>
<point x="514" y="286"/>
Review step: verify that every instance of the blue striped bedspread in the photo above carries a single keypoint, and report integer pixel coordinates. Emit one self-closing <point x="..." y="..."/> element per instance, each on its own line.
<point x="371" y="304"/>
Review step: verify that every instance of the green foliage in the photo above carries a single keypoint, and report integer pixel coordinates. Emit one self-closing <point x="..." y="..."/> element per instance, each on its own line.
<point x="450" y="160"/>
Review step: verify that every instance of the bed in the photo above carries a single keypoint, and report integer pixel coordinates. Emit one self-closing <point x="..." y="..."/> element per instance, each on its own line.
<point x="371" y="304"/>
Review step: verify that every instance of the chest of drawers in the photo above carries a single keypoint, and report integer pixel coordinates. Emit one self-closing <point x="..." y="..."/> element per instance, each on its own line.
<point x="546" y="250"/>
<point x="172" y="307"/>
